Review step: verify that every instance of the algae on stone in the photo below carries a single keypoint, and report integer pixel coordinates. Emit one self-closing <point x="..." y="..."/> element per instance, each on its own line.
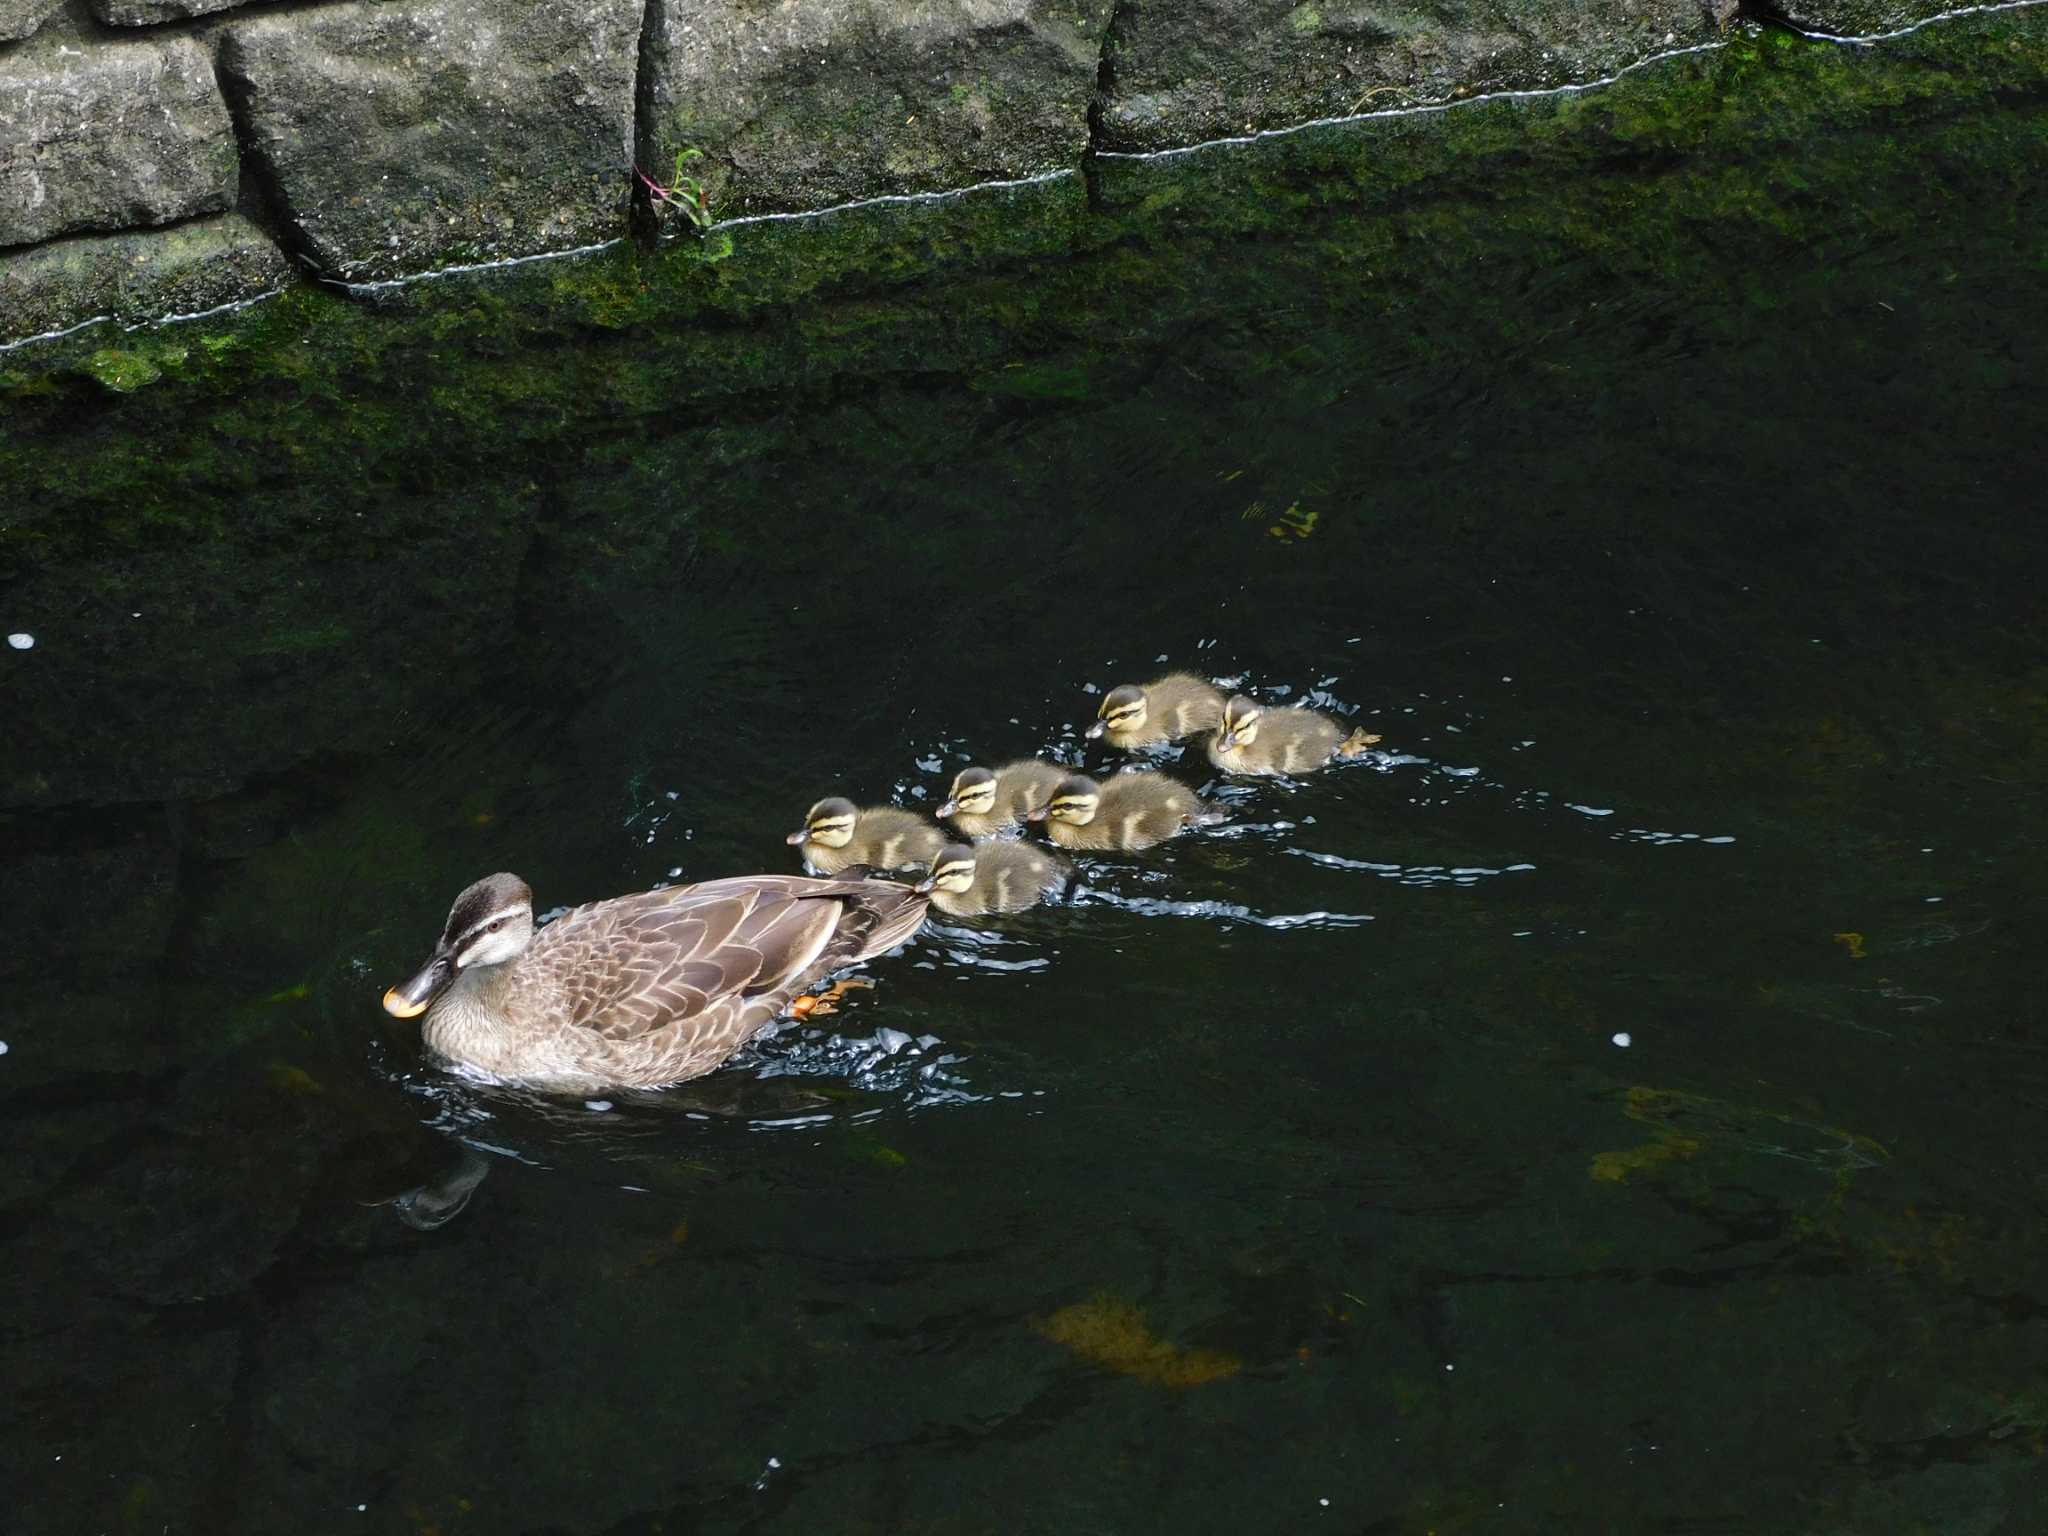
<point x="140" y="275"/>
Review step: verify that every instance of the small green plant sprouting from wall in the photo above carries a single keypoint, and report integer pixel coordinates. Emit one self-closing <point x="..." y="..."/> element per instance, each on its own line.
<point x="686" y="195"/>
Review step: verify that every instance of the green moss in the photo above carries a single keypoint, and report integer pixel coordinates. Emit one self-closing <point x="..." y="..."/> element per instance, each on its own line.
<point x="123" y="371"/>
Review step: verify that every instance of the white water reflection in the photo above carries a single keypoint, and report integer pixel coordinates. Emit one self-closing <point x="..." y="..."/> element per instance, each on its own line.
<point x="1215" y="911"/>
<point x="1666" y="839"/>
<point x="917" y="1073"/>
<point x="1414" y="874"/>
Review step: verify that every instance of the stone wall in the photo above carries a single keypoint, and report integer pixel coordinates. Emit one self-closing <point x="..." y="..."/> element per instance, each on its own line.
<point x="167" y="156"/>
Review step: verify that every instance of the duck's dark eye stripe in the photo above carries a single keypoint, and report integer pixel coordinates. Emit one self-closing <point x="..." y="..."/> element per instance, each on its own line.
<point x="478" y="930"/>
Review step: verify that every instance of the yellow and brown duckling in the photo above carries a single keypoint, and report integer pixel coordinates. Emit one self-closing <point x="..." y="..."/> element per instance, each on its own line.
<point x="1127" y="811"/>
<point x="1165" y="709"/>
<point x="987" y="802"/>
<point x="1254" y="739"/>
<point x="837" y="834"/>
<point x="979" y="880"/>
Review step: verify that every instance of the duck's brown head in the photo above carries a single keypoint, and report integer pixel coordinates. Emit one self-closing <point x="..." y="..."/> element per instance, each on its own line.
<point x="490" y="923"/>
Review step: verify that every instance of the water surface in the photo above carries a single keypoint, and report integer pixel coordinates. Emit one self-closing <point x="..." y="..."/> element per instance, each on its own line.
<point x="1292" y="1175"/>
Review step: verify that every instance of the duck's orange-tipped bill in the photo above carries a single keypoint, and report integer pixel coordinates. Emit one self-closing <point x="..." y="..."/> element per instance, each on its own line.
<point x="399" y="1006"/>
<point x="410" y="998"/>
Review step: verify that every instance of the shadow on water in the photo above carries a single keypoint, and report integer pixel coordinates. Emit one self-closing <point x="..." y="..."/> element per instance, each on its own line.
<point x="1605" y="1106"/>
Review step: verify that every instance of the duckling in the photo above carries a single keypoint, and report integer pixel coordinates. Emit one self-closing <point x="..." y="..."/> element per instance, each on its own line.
<point x="837" y="834"/>
<point x="974" y="881"/>
<point x="1128" y="810"/>
<point x="1165" y="709"/>
<point x="985" y="803"/>
<point x="1254" y="739"/>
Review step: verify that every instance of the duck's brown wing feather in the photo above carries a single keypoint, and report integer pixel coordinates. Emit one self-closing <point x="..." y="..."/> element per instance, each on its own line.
<point x="711" y="953"/>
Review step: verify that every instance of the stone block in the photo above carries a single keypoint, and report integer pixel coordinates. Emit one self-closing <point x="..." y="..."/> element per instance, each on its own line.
<point x="145" y="13"/>
<point x="20" y="18"/>
<point x="110" y="135"/>
<point x="1182" y="71"/>
<point x="143" y="274"/>
<point x="806" y="105"/>
<point x="406" y="135"/>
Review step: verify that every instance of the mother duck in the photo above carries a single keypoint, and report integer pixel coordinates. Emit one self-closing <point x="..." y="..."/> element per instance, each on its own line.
<point x="640" y="990"/>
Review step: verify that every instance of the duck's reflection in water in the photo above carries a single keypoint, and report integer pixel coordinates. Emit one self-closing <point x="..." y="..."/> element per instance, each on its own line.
<point x="440" y="1200"/>
<point x="796" y="1077"/>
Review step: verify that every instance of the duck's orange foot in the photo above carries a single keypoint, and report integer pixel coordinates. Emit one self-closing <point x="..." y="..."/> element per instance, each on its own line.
<point x="813" y="1004"/>
<point x="1356" y="743"/>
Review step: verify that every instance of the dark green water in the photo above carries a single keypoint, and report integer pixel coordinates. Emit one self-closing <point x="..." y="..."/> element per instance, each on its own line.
<point x="1660" y="475"/>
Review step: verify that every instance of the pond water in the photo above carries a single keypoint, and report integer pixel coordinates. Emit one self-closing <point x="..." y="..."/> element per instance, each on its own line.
<point x="1613" y="1106"/>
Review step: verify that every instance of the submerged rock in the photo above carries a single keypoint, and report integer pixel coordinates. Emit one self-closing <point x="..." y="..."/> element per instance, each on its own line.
<point x="109" y="137"/>
<point x="406" y="136"/>
<point x="803" y="106"/>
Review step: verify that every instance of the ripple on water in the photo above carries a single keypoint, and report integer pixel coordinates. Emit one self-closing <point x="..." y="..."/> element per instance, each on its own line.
<point x="889" y="1064"/>
<point x="784" y="1077"/>
<point x="1413" y="874"/>
<point x="955" y="946"/>
<point x="1211" y="910"/>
